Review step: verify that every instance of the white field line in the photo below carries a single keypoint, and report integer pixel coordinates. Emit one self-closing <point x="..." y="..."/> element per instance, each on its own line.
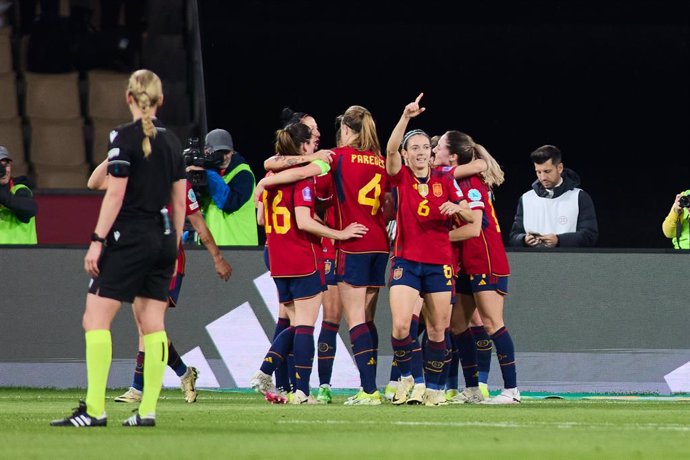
<point x="560" y="425"/>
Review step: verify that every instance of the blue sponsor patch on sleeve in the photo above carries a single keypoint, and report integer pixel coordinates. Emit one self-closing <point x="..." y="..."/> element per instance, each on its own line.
<point x="474" y="194"/>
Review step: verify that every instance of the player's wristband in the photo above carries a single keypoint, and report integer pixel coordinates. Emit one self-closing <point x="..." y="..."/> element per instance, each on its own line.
<point x="325" y="167"/>
<point x="95" y="237"/>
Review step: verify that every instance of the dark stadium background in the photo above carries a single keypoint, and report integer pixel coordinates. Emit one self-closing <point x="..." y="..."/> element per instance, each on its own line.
<point x="607" y="82"/>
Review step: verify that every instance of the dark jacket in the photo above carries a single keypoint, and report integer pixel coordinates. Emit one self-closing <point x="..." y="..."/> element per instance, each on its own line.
<point x="587" y="228"/>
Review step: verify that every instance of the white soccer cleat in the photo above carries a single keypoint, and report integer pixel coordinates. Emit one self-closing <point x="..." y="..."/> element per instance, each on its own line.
<point x="262" y="383"/>
<point x="470" y="395"/>
<point x="402" y="393"/>
<point x="435" y="398"/>
<point x="299" y="397"/>
<point x="130" y="396"/>
<point x="417" y="394"/>
<point x="188" y="384"/>
<point x="507" y="396"/>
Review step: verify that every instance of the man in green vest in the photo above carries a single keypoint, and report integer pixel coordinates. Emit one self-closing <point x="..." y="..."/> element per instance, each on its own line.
<point x="228" y="207"/>
<point x="676" y="226"/>
<point x="17" y="206"/>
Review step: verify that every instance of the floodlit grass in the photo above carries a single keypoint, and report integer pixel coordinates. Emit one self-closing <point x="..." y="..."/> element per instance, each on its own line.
<point x="236" y="425"/>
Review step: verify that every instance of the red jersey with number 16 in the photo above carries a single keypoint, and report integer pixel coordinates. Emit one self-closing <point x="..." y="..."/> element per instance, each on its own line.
<point x="292" y="252"/>
<point x="483" y="254"/>
<point x="360" y="182"/>
<point x="422" y="229"/>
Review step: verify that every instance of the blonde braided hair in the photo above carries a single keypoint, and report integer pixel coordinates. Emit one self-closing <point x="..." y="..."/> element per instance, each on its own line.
<point x="147" y="90"/>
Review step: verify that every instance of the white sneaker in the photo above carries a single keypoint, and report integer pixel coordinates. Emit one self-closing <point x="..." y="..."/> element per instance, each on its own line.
<point x="470" y="395"/>
<point x="262" y="383"/>
<point x="402" y="393"/>
<point x="435" y="398"/>
<point x="507" y="396"/>
<point x="417" y="394"/>
<point x="130" y="396"/>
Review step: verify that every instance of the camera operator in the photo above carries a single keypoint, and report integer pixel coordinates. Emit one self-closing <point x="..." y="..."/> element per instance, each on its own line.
<point x="226" y="199"/>
<point x="17" y="206"/>
<point x="676" y="225"/>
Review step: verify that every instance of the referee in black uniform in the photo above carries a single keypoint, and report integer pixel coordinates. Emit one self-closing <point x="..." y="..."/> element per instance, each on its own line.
<point x="133" y="249"/>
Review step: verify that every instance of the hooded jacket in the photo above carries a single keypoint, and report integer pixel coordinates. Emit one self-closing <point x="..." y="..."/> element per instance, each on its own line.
<point x="569" y="213"/>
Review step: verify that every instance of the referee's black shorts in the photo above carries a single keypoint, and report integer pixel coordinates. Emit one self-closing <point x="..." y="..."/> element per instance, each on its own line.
<point x="138" y="261"/>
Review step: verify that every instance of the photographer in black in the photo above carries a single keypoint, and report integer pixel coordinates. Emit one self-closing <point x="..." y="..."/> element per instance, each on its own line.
<point x="676" y="226"/>
<point x="17" y="206"/>
<point x="225" y="184"/>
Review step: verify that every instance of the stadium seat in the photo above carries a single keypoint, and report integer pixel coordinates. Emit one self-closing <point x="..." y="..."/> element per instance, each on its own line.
<point x="57" y="142"/>
<point x="106" y="95"/>
<point x="62" y="177"/>
<point x="5" y="53"/>
<point x="11" y="137"/>
<point x="8" y="96"/>
<point x="52" y="96"/>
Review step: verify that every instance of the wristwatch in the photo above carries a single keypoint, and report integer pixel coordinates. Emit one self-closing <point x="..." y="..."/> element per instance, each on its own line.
<point x="95" y="237"/>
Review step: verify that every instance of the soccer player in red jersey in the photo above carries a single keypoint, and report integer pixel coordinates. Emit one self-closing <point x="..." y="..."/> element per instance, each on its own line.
<point x="295" y="256"/>
<point x="361" y="183"/>
<point x="474" y="344"/>
<point x="483" y="280"/>
<point x="427" y="199"/>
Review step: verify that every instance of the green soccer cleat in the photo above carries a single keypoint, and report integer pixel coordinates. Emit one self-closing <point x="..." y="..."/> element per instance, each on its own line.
<point x="365" y="399"/>
<point x="389" y="391"/>
<point x="451" y="393"/>
<point x="324" y="396"/>
<point x="484" y="388"/>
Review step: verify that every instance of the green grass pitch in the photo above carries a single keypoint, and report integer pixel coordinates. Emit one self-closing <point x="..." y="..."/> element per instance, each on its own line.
<point x="239" y="425"/>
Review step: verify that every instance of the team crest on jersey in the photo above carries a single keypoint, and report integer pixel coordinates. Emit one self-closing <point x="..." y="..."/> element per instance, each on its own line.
<point x="474" y="194"/>
<point x="112" y="153"/>
<point x="423" y="189"/>
<point x="306" y="194"/>
<point x="397" y="273"/>
<point x="113" y="135"/>
<point x="327" y="267"/>
<point x="437" y="189"/>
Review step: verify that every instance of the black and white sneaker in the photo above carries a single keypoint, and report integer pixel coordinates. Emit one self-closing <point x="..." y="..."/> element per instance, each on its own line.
<point x="81" y="419"/>
<point x="136" y="420"/>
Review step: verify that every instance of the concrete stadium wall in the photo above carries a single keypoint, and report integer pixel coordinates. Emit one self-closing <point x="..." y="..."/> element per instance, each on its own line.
<point x="585" y="322"/>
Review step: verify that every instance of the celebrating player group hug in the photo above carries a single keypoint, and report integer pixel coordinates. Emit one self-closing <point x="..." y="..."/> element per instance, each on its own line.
<point x="333" y="218"/>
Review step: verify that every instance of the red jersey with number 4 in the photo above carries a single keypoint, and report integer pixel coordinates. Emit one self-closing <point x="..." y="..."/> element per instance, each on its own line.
<point x="360" y="182"/>
<point x="484" y="254"/>
<point x="292" y="252"/>
<point x="422" y="229"/>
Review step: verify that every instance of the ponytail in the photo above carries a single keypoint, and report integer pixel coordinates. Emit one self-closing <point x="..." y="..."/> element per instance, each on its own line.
<point x="359" y="119"/>
<point x="494" y="175"/>
<point x="146" y="89"/>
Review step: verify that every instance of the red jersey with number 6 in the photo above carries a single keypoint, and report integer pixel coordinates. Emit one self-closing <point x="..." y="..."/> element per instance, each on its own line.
<point x="484" y="254"/>
<point x="292" y="252"/>
<point x="360" y="182"/>
<point x="422" y="231"/>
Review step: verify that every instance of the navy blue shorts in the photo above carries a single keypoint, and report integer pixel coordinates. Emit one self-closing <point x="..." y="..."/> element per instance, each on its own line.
<point x="469" y="284"/>
<point x="425" y="278"/>
<point x="329" y="272"/>
<point x="266" y="261"/>
<point x="174" y="290"/>
<point x="362" y="270"/>
<point x="299" y="287"/>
